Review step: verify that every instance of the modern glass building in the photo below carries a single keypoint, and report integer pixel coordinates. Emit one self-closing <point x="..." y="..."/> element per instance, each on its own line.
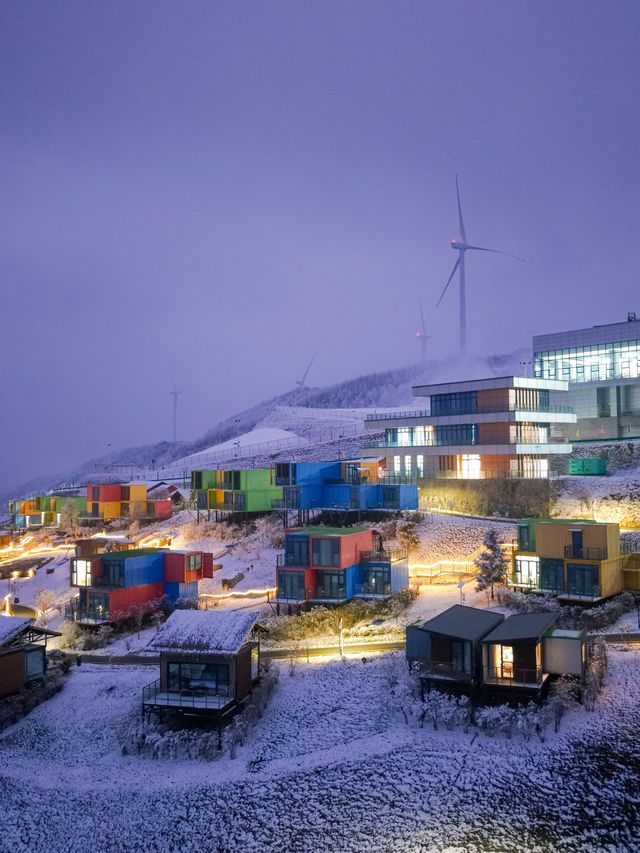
<point x="475" y="430"/>
<point x="602" y="367"/>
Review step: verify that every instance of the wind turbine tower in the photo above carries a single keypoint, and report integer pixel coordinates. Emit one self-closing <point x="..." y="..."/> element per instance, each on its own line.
<point x="301" y="383"/>
<point x="462" y="247"/>
<point x="422" y="335"/>
<point x="175" y="394"/>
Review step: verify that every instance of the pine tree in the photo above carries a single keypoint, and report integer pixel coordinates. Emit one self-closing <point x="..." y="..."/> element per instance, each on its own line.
<point x="491" y="563"/>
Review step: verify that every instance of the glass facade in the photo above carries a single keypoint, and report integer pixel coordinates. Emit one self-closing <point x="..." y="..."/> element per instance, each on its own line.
<point x="428" y="436"/>
<point x="595" y="363"/>
<point x="462" y="403"/>
<point x="296" y="551"/>
<point x="209" y="677"/>
<point x="551" y="574"/>
<point x="583" y="579"/>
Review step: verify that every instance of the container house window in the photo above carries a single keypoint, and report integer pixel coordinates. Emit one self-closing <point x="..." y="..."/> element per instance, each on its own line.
<point x="551" y="574"/>
<point x="81" y="573"/>
<point x="199" y="677"/>
<point x="297" y="551"/>
<point x="194" y="562"/>
<point x="527" y="571"/>
<point x="523" y="538"/>
<point x="330" y="585"/>
<point x="326" y="552"/>
<point x="291" y="586"/>
<point x="583" y="579"/>
<point x="396" y="464"/>
<point x="461" y="656"/>
<point x="255" y="662"/>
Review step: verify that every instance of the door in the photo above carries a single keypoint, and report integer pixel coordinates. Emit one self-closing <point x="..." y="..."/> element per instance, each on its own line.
<point x="576" y="544"/>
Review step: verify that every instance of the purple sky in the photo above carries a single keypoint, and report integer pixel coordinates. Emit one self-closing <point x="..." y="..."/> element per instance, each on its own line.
<point x="214" y="190"/>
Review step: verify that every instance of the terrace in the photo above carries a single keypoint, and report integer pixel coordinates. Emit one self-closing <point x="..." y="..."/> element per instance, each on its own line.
<point x="155" y="696"/>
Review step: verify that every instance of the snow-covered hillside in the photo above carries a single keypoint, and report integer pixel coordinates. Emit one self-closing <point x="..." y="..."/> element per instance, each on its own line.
<point x="388" y="389"/>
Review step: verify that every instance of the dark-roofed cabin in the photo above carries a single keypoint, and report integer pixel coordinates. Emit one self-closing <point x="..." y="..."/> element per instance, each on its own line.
<point x="208" y="663"/>
<point x="23" y="656"/>
<point x="448" y="648"/>
<point x="513" y="652"/>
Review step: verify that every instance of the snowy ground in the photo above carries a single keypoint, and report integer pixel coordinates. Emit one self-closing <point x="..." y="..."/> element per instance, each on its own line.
<point x="331" y="766"/>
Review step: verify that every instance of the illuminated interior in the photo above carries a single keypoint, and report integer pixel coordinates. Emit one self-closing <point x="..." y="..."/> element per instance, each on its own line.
<point x="590" y="363"/>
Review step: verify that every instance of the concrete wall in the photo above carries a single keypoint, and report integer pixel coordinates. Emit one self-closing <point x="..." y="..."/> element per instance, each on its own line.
<point x="509" y="498"/>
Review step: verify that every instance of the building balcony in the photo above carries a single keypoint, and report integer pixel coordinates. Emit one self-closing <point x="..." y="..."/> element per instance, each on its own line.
<point x="90" y="615"/>
<point x="476" y="410"/>
<point x="155" y="696"/>
<point x="572" y="553"/>
<point x="509" y="675"/>
<point x="330" y="594"/>
<point x="373" y="590"/>
<point x="540" y="441"/>
<point x="447" y="670"/>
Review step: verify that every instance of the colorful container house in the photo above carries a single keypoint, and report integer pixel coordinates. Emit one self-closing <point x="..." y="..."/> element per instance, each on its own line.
<point x="348" y="485"/>
<point x="241" y="491"/>
<point x="482" y="654"/>
<point x="111" y="584"/>
<point x="474" y="430"/>
<point x="43" y="510"/>
<point x="573" y="560"/>
<point x="111" y="501"/>
<point x="208" y="663"/>
<point x="333" y="565"/>
<point x="23" y="657"/>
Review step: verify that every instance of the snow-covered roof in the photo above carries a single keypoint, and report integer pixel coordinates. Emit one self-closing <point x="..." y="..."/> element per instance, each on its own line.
<point x="10" y="626"/>
<point x="204" y="631"/>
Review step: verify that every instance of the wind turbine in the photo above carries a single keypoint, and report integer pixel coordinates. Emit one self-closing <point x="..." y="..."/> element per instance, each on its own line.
<point x="175" y="394"/>
<point x="301" y="382"/>
<point x="422" y="335"/>
<point x="461" y="246"/>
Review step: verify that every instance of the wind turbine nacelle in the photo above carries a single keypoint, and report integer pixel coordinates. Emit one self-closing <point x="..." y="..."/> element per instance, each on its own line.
<point x="458" y="244"/>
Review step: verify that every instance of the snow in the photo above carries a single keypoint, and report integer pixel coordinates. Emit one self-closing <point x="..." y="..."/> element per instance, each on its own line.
<point x="331" y="765"/>
<point x="10" y="626"/>
<point x="198" y="631"/>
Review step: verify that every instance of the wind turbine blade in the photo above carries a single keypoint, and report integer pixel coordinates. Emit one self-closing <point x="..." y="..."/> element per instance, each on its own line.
<point x="424" y="330"/>
<point x="495" y="251"/>
<point x="455" y="267"/>
<point x="463" y="233"/>
<point x="309" y="367"/>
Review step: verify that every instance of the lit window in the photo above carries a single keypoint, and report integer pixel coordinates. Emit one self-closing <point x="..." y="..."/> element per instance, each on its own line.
<point x="396" y="464"/>
<point x="470" y="466"/>
<point x="407" y="465"/>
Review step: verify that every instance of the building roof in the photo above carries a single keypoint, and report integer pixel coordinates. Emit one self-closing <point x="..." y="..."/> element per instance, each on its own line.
<point x="11" y="626"/>
<point x="327" y="531"/>
<point x="491" y="383"/>
<point x="608" y="333"/>
<point x="522" y="626"/>
<point x="464" y="623"/>
<point x="204" y="632"/>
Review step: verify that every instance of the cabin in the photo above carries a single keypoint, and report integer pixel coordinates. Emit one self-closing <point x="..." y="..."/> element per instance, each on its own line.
<point x="512" y="654"/>
<point x="23" y="656"/>
<point x="208" y="663"/>
<point x="448" y="648"/>
<point x="481" y="654"/>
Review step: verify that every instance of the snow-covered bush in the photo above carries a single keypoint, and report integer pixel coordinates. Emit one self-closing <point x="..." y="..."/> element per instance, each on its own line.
<point x="562" y="698"/>
<point x="152" y="739"/>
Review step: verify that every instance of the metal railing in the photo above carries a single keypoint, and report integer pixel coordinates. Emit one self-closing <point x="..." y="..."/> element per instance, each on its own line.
<point x="73" y="612"/>
<point x="324" y="594"/>
<point x="512" y="676"/>
<point x="572" y="553"/>
<point x="475" y="410"/>
<point x="462" y="443"/>
<point x="154" y="694"/>
<point x="372" y="589"/>
<point x="445" y="669"/>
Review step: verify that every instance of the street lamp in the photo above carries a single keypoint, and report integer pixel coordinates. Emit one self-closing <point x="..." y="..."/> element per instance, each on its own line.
<point x="526" y="365"/>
